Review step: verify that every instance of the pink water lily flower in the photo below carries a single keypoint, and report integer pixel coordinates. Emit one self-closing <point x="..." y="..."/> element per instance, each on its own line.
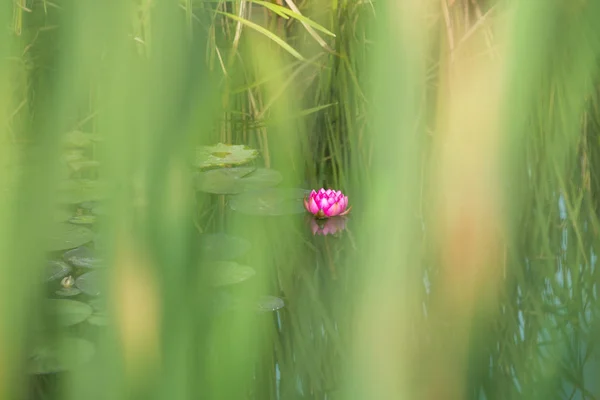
<point x="326" y="203"/>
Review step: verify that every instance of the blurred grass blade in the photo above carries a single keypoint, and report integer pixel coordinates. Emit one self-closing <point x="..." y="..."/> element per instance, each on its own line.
<point x="266" y="33"/>
<point x="285" y="12"/>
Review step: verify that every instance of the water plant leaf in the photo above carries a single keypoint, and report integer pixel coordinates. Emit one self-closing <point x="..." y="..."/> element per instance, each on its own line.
<point x="221" y="155"/>
<point x="98" y="319"/>
<point x="56" y="270"/>
<point x="68" y="312"/>
<point x="83" y="220"/>
<point x="89" y="283"/>
<point x="220" y="246"/>
<point x="236" y="180"/>
<point x="68" y="292"/>
<point x="82" y="164"/>
<point x="78" y="139"/>
<point x="270" y="303"/>
<point x="83" y="257"/>
<point x="269" y="202"/>
<point x="61" y="215"/>
<point x="88" y="205"/>
<point x="76" y="191"/>
<point x="67" y="236"/>
<point x="229" y="273"/>
<point x="265" y="32"/>
<point x="63" y="355"/>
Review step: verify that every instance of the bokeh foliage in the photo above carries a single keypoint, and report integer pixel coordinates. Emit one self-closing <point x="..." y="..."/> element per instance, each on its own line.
<point x="465" y="133"/>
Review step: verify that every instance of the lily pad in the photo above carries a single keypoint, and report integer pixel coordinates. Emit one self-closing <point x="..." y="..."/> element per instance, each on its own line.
<point x="220" y="246"/>
<point x="61" y="215"/>
<point x="63" y="355"/>
<point x="229" y="273"/>
<point x="269" y="202"/>
<point x="83" y="257"/>
<point x="222" y="155"/>
<point x="56" y="270"/>
<point x="68" y="312"/>
<point x="67" y="236"/>
<point x="99" y="210"/>
<point x="68" y="292"/>
<point x="270" y="303"/>
<point x="88" y="205"/>
<point x="236" y="180"/>
<point x="89" y="283"/>
<point x="83" y="220"/>
<point x="98" y="304"/>
<point x="98" y="319"/>
<point x="76" y="191"/>
<point x="78" y="139"/>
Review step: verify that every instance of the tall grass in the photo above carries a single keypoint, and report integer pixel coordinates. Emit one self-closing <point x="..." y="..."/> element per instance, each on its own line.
<point x="465" y="133"/>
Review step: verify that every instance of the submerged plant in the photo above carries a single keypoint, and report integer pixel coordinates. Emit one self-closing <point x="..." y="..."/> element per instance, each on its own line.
<point x="326" y="203"/>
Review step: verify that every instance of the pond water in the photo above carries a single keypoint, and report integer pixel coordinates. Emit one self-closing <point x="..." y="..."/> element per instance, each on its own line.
<point x="267" y="261"/>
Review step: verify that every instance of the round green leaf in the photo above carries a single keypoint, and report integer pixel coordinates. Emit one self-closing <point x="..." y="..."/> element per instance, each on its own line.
<point x="63" y="355"/>
<point x="68" y="312"/>
<point x="89" y="283"/>
<point x="270" y="303"/>
<point x="83" y="257"/>
<point x="67" y="236"/>
<point x="236" y="180"/>
<point x="78" y="139"/>
<point x="83" y="220"/>
<point x="229" y="273"/>
<point x="76" y="191"/>
<point x="68" y="292"/>
<point x="269" y="202"/>
<point x="56" y="270"/>
<point x="220" y="246"/>
<point x="61" y="215"/>
<point x="221" y="155"/>
<point x="98" y="319"/>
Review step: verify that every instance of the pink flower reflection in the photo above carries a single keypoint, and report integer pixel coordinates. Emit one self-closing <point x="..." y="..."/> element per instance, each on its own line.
<point x="329" y="226"/>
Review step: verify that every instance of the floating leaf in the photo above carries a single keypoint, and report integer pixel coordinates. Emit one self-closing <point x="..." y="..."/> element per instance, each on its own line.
<point x="61" y="215"/>
<point x="64" y="355"/>
<point x="220" y="246"/>
<point x="88" y="205"/>
<point x="78" y="139"/>
<point x="98" y="304"/>
<point x="68" y="292"/>
<point x="56" y="270"/>
<point x="68" y="236"/>
<point x="269" y="202"/>
<point x="99" y="210"/>
<point x="89" y="283"/>
<point x="79" y="165"/>
<point x="270" y="303"/>
<point x="76" y="191"/>
<point x="229" y="273"/>
<point x="236" y="180"/>
<point x="83" y="257"/>
<point x="83" y="220"/>
<point x="222" y="155"/>
<point x="68" y="312"/>
<point x="98" y="319"/>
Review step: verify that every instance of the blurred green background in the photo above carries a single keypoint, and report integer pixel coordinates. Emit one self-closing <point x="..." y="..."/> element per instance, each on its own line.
<point x="154" y="156"/>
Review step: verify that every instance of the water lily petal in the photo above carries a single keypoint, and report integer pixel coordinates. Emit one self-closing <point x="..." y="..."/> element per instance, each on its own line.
<point x="323" y="204"/>
<point x="333" y="210"/>
<point x="313" y="207"/>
